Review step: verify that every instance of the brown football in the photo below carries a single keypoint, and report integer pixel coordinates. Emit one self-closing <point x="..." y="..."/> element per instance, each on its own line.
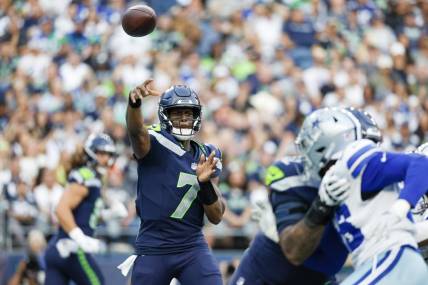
<point x="139" y="20"/>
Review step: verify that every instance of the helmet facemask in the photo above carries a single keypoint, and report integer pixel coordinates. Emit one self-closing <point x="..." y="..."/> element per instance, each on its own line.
<point x="100" y="143"/>
<point x="323" y="137"/>
<point x="175" y="98"/>
<point x="179" y="129"/>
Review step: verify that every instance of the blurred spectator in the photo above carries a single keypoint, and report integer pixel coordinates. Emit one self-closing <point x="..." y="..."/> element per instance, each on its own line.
<point x="22" y="211"/>
<point x="30" y="270"/>
<point x="238" y="208"/>
<point x="47" y="193"/>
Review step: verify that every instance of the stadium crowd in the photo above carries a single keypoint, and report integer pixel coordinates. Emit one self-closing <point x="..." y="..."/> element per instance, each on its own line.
<point x="259" y="67"/>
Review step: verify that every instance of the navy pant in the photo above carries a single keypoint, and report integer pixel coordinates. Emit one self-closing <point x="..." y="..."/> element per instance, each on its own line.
<point x="79" y="267"/>
<point x="196" y="266"/>
<point x="253" y="272"/>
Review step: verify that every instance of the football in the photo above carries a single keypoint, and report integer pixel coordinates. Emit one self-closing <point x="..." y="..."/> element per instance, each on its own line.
<point x="139" y="20"/>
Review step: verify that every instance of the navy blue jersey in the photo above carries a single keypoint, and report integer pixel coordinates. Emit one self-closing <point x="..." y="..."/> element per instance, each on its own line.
<point x="291" y="194"/>
<point x="167" y="204"/>
<point x="87" y="213"/>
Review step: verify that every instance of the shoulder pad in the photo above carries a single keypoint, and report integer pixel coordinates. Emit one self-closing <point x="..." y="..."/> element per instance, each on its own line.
<point x="81" y="175"/>
<point x="285" y="174"/>
<point x="355" y="156"/>
<point x="208" y="148"/>
<point x="86" y="173"/>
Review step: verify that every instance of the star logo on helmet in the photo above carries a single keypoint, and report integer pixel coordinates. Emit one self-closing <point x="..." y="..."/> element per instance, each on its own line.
<point x="316" y="123"/>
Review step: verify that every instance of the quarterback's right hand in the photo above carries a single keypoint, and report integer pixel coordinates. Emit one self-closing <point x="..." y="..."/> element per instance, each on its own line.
<point x="143" y="90"/>
<point x="333" y="189"/>
<point x="86" y="243"/>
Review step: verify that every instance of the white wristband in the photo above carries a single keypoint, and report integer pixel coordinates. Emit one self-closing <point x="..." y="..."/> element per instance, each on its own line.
<point x="76" y="234"/>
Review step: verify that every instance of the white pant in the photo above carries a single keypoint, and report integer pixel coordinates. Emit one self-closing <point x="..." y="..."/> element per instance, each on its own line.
<point x="398" y="266"/>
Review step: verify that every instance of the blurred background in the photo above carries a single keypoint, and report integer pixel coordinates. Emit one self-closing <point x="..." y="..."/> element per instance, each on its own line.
<point x="259" y="67"/>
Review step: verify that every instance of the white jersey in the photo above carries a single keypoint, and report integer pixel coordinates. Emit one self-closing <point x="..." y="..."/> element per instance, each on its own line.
<point x="354" y="217"/>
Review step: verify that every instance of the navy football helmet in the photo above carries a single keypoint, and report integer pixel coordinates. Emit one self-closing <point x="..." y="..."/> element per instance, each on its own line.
<point x="369" y="128"/>
<point x="180" y="96"/>
<point x="96" y="143"/>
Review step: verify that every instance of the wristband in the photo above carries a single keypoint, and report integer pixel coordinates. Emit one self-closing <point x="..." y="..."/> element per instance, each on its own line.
<point x="135" y="105"/>
<point x="319" y="214"/>
<point x="207" y="194"/>
<point x="76" y="234"/>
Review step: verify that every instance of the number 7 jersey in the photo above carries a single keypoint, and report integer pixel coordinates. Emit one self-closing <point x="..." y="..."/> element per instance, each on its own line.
<point x="167" y="195"/>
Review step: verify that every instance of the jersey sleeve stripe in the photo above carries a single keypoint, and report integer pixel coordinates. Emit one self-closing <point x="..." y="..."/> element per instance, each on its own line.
<point x="93" y="183"/>
<point x="291" y="182"/>
<point x="356" y="155"/>
<point x="76" y="177"/>
<point x="361" y="162"/>
<point x="167" y="143"/>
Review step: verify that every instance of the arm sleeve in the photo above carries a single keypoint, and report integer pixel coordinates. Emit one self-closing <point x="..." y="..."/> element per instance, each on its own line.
<point x="288" y="208"/>
<point x="386" y="168"/>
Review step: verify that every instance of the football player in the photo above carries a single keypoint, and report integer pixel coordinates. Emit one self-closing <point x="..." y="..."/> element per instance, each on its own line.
<point x="176" y="187"/>
<point x="307" y="250"/>
<point x="374" y="219"/>
<point x="68" y="256"/>
<point x="420" y="214"/>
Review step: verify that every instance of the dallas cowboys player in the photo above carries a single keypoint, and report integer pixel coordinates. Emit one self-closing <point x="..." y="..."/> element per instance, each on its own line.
<point x="374" y="220"/>
<point x="308" y="249"/>
<point x="176" y="188"/>
<point x="420" y="214"/>
<point x="68" y="256"/>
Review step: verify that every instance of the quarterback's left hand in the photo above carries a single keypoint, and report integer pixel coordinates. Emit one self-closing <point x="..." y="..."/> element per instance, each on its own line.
<point x="206" y="167"/>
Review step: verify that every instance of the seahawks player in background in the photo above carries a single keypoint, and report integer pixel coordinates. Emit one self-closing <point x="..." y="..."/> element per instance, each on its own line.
<point x="374" y="219"/>
<point x="68" y="256"/>
<point x="176" y="187"/>
<point x="308" y="250"/>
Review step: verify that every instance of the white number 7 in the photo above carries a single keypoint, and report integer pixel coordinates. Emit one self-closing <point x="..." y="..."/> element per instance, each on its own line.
<point x="183" y="180"/>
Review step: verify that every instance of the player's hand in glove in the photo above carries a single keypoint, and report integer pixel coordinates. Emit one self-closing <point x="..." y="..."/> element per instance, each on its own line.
<point x="333" y="189"/>
<point x="87" y="243"/>
<point x="262" y="213"/>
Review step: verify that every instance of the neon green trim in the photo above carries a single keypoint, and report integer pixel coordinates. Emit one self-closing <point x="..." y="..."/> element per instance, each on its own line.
<point x="154" y="127"/>
<point x="86" y="173"/>
<point x="202" y="147"/>
<point x="273" y="173"/>
<point x="90" y="273"/>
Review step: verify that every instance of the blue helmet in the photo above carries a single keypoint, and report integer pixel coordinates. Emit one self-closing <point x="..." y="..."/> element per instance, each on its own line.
<point x="180" y="96"/>
<point x="368" y="126"/>
<point x="96" y="143"/>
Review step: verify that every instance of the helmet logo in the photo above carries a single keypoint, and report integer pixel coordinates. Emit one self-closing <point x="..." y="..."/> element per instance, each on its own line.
<point x="316" y="123"/>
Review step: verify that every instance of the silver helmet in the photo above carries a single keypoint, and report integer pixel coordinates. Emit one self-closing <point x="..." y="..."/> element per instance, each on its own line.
<point x="423" y="149"/>
<point x="324" y="135"/>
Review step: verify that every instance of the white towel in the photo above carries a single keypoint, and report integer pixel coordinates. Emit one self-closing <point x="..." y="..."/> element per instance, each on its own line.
<point x="125" y="266"/>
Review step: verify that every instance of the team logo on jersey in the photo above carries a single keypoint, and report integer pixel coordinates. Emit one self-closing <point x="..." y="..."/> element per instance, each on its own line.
<point x="193" y="166"/>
